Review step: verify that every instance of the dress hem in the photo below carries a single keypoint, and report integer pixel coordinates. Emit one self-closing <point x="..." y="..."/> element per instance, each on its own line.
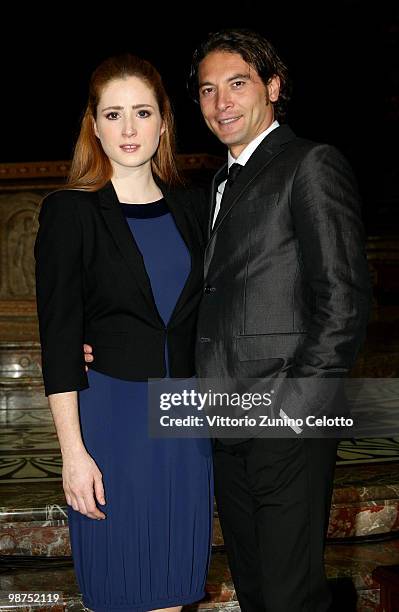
<point x="177" y="600"/>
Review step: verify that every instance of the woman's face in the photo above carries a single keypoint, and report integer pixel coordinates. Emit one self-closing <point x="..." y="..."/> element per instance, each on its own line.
<point x="128" y="123"/>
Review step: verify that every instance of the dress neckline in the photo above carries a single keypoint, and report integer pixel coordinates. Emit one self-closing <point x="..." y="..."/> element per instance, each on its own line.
<point x="145" y="211"/>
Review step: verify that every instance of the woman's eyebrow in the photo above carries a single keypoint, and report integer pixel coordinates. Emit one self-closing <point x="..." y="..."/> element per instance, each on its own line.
<point x="134" y="107"/>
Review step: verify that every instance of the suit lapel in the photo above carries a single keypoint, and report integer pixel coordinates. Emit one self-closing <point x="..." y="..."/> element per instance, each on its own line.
<point x="268" y="149"/>
<point x="219" y="177"/>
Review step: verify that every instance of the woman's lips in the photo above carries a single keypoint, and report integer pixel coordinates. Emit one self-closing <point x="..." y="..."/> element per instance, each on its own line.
<point x="129" y="148"/>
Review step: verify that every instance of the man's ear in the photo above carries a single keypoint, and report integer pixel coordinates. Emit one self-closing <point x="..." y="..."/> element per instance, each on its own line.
<point x="273" y="88"/>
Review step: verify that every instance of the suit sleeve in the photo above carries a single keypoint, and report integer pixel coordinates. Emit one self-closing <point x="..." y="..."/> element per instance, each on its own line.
<point x="331" y="244"/>
<point x="59" y="294"/>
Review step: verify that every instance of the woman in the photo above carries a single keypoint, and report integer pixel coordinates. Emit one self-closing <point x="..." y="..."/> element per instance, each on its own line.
<point x="119" y="266"/>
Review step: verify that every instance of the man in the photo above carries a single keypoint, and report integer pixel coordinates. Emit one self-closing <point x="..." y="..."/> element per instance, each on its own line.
<point x="286" y="294"/>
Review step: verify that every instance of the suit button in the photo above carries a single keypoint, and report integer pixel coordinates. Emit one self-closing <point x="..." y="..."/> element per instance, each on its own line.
<point x="203" y="339"/>
<point x="209" y="289"/>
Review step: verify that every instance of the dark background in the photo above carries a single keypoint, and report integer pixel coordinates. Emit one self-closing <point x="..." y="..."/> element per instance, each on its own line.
<point x="343" y="58"/>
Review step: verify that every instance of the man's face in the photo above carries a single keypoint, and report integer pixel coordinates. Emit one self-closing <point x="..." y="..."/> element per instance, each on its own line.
<point x="235" y="103"/>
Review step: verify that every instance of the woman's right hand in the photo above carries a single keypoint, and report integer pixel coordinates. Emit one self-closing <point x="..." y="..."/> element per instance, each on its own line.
<point x="83" y="484"/>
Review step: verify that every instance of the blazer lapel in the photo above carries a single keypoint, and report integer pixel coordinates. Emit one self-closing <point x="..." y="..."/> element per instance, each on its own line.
<point x="127" y="245"/>
<point x="192" y="239"/>
<point x="124" y="240"/>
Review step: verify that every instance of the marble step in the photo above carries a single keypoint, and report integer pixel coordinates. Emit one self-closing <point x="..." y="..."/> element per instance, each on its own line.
<point x="365" y="501"/>
<point x="365" y="498"/>
<point x="349" y="569"/>
<point x="33" y="511"/>
<point x="36" y="575"/>
<point x="352" y="565"/>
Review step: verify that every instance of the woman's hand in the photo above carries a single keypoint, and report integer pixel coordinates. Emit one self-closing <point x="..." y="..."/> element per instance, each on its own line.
<point x="82" y="480"/>
<point x="83" y="484"/>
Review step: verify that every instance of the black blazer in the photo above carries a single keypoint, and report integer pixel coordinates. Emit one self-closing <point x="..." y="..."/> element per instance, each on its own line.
<point x="92" y="286"/>
<point x="288" y="288"/>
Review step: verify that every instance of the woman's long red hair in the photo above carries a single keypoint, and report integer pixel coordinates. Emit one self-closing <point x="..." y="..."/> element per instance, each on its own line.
<point x="90" y="167"/>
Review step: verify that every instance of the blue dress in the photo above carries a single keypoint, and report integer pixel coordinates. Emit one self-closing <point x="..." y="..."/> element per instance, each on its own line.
<point x="153" y="549"/>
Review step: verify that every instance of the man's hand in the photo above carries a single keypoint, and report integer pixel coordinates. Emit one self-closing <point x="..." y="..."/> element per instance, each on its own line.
<point x="88" y="350"/>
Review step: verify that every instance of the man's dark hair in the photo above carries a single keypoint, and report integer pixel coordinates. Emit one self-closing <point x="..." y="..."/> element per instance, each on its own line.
<point x="255" y="50"/>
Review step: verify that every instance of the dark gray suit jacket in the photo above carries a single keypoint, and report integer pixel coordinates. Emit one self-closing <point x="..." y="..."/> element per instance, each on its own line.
<point x="287" y="288"/>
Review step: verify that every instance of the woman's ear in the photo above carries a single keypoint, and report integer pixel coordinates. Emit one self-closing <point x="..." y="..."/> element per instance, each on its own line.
<point x="95" y="127"/>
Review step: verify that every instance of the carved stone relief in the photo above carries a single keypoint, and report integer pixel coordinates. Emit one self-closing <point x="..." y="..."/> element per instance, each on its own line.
<point x="18" y="228"/>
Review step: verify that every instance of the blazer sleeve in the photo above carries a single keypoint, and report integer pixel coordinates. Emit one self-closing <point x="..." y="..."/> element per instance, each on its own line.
<point x="331" y="244"/>
<point x="196" y="199"/>
<point x="59" y="293"/>
<point x="202" y="209"/>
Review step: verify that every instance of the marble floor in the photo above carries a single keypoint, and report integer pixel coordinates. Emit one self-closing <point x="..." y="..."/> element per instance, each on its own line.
<point x="30" y="453"/>
<point x="34" y="539"/>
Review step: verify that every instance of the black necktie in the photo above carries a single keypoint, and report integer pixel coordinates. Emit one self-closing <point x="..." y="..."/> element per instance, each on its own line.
<point x="234" y="171"/>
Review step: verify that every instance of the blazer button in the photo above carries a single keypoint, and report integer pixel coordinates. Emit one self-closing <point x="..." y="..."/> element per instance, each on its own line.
<point x="203" y="339"/>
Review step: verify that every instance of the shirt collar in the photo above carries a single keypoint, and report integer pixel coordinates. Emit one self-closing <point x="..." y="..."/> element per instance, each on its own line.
<point x="250" y="148"/>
